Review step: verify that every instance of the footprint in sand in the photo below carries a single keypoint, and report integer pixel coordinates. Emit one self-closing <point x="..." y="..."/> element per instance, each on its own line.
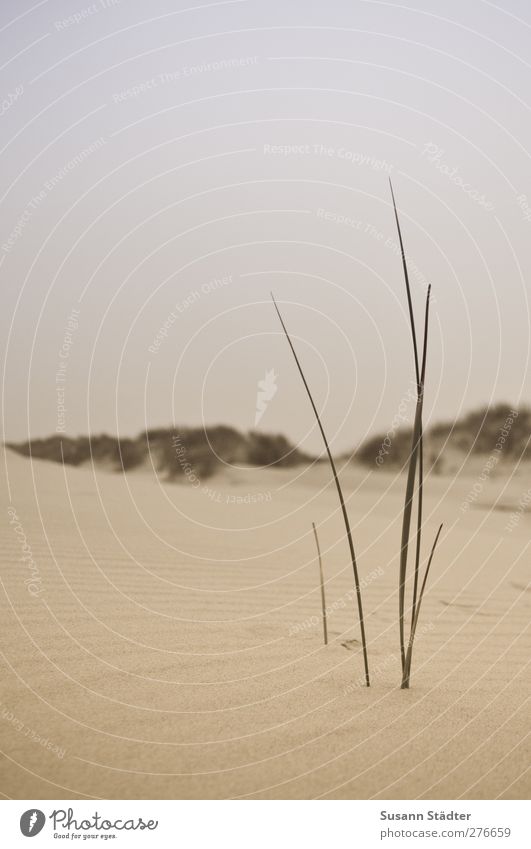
<point x="526" y="588"/>
<point x="459" y="604"/>
<point x="351" y="645"/>
<point x="464" y="606"/>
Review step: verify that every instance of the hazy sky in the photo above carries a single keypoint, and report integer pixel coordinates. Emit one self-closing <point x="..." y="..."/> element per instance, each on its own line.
<point x="165" y="168"/>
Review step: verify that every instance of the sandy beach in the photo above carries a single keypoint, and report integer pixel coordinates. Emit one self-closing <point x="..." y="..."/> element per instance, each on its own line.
<point x="165" y="641"/>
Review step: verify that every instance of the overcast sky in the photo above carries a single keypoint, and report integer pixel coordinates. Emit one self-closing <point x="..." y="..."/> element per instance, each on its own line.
<point x="164" y="170"/>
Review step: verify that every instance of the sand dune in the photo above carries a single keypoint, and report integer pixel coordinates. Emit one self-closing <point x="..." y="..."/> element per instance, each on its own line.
<point x="162" y="641"/>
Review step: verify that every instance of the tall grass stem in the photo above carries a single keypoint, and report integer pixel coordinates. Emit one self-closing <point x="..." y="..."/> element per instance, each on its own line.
<point x="340" y="496"/>
<point x="407" y="670"/>
<point x="321" y="579"/>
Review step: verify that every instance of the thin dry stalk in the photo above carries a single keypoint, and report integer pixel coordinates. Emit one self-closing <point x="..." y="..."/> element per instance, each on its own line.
<point x="417" y="429"/>
<point x="407" y="671"/>
<point x="421" y="458"/>
<point x="406" y="525"/>
<point x="321" y="578"/>
<point x="416" y="460"/>
<point x="340" y="496"/>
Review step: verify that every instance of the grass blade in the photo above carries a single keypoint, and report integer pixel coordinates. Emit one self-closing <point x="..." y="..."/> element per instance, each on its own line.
<point x="408" y="288"/>
<point x="407" y="671"/>
<point x="416" y="458"/>
<point x="406" y="526"/>
<point x="421" y="460"/>
<point x="339" y="492"/>
<point x="321" y="578"/>
<point x="412" y="469"/>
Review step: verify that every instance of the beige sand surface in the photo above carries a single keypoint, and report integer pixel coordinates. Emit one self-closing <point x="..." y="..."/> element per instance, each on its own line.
<point x="175" y="650"/>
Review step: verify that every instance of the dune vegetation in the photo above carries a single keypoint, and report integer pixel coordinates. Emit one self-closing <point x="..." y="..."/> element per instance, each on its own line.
<point x="171" y="451"/>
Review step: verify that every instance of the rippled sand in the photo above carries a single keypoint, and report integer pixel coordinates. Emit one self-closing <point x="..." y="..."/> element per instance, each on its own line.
<point x="160" y="641"/>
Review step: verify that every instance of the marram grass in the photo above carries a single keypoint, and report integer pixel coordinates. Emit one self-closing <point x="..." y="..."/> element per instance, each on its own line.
<point x="414" y="487"/>
<point x="416" y="461"/>
<point x="321" y="581"/>
<point x="339" y="493"/>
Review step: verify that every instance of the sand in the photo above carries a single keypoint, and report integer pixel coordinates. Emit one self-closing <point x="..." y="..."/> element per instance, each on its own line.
<point x="161" y="641"/>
